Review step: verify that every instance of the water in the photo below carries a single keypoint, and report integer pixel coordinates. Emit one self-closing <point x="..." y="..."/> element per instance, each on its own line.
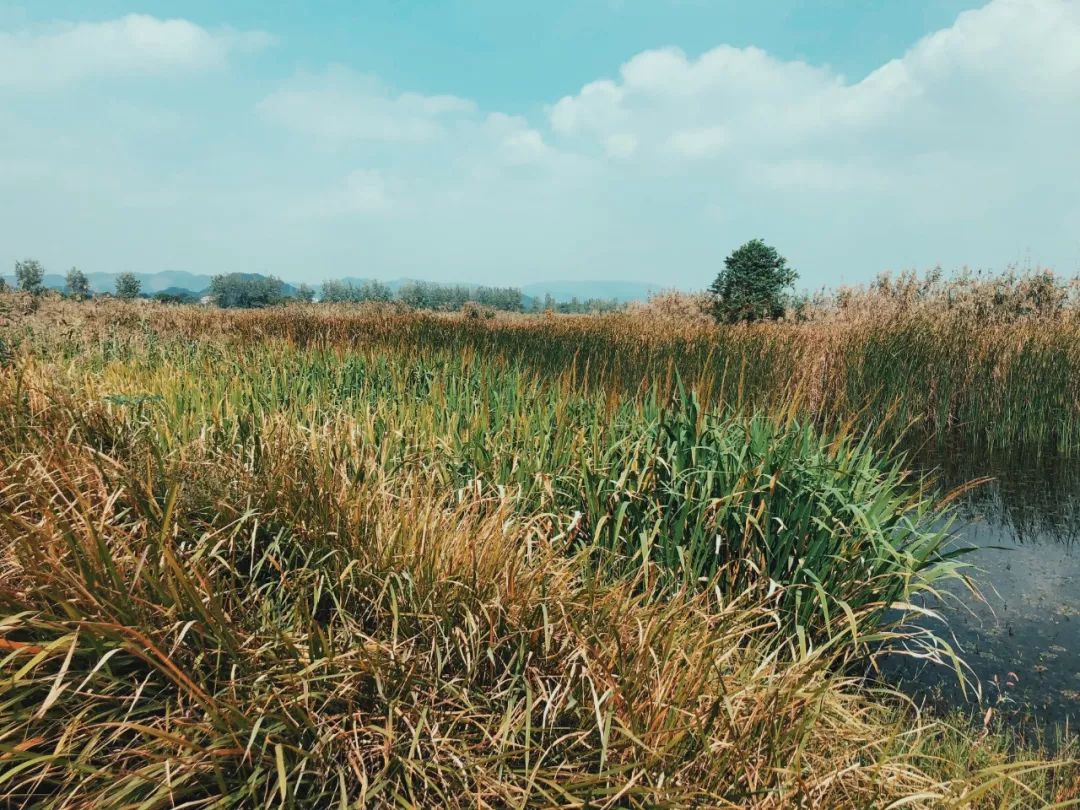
<point x="1022" y="640"/>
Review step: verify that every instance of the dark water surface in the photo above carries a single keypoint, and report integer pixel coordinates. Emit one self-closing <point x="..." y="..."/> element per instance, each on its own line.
<point x="1023" y="640"/>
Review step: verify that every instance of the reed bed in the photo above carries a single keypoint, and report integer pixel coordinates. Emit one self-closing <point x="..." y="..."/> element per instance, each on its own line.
<point x="330" y="559"/>
<point x="958" y="374"/>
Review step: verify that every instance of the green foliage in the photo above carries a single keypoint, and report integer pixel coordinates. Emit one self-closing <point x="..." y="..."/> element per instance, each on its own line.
<point x="346" y="292"/>
<point x="424" y="295"/>
<point x="176" y="295"/>
<point x="763" y="500"/>
<point x="127" y="286"/>
<point x="752" y="285"/>
<point x="450" y="298"/>
<point x="77" y="285"/>
<point x="588" y="306"/>
<point x="242" y="291"/>
<point x="304" y="293"/>
<point x="30" y="276"/>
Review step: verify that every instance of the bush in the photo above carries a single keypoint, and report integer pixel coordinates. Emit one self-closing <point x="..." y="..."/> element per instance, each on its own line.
<point x="753" y="284"/>
<point x="476" y="312"/>
<point x="175" y="295"/>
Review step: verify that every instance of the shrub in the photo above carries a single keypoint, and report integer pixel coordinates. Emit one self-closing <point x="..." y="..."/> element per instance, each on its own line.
<point x="175" y="295"/>
<point x="476" y="312"/>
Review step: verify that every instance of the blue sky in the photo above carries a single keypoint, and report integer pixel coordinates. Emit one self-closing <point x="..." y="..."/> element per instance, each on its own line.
<point x="504" y="142"/>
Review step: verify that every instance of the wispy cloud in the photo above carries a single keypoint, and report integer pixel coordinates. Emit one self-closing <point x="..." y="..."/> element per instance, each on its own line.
<point x="136" y="45"/>
<point x="342" y="105"/>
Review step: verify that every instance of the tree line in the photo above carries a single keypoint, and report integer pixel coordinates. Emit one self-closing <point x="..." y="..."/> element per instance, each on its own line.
<point x="754" y="284"/>
<point x="249" y="290"/>
<point x="30" y="277"/>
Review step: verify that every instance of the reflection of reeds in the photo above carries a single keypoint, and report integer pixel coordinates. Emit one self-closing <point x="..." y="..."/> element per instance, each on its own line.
<point x="1034" y="498"/>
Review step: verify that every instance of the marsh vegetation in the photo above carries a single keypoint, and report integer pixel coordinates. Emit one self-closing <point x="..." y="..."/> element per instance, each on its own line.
<point x="336" y="556"/>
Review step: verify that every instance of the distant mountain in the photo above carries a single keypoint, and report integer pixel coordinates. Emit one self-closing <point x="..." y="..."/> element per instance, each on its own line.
<point x="151" y="282"/>
<point x="621" y="291"/>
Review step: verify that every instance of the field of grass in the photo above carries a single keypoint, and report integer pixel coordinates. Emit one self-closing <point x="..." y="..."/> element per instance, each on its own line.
<point x="315" y="557"/>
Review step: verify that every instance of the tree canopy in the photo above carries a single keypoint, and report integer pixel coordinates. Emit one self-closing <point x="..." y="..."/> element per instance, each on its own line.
<point x="242" y="291"/>
<point x="30" y="276"/>
<point x="753" y="284"/>
<point x="127" y="286"/>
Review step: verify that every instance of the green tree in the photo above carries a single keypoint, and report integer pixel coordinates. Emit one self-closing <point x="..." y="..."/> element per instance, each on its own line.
<point x="416" y="295"/>
<point x="336" y="292"/>
<point x="246" y="291"/>
<point x="304" y="293"/>
<point x="345" y="292"/>
<point x="127" y="286"/>
<point x="30" y="276"/>
<point x="78" y="287"/>
<point x="753" y="284"/>
<point x="375" y="291"/>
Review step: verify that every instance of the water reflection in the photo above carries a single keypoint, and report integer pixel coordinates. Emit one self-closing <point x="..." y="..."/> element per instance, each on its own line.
<point x="1023" y="641"/>
<point x="1036" y="499"/>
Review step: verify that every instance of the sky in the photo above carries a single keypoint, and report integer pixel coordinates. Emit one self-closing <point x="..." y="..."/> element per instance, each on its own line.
<point x="507" y="143"/>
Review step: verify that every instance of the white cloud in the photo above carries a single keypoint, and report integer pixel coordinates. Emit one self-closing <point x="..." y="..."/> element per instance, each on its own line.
<point x="702" y="142"/>
<point x="135" y="45"/>
<point x="803" y="175"/>
<point x="1026" y="45"/>
<point x="343" y="106"/>
<point x="1011" y="55"/>
<point x="350" y="112"/>
<point x="362" y="193"/>
<point x="598" y="107"/>
<point x="621" y="145"/>
<point x="514" y="140"/>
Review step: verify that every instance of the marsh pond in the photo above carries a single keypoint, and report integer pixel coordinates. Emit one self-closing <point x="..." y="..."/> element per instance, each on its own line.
<point x="1021" y="637"/>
